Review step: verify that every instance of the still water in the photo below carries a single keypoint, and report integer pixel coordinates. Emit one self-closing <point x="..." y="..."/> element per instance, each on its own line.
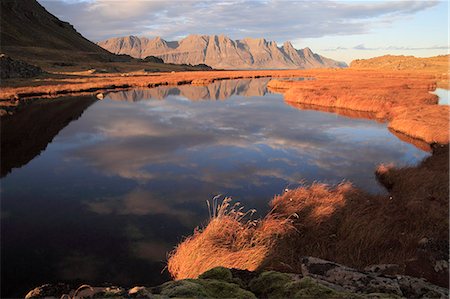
<point x="99" y="191"/>
<point x="443" y="95"/>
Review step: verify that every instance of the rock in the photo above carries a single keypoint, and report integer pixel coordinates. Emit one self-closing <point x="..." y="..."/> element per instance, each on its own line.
<point x="413" y="287"/>
<point x="369" y="282"/>
<point x="11" y="68"/>
<point x="319" y="279"/>
<point x="389" y="269"/>
<point x="139" y="292"/>
<point x="112" y="291"/>
<point x="100" y="96"/>
<point x="49" y="291"/>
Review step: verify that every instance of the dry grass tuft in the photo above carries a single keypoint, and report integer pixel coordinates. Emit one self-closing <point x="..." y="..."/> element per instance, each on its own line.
<point x="229" y="240"/>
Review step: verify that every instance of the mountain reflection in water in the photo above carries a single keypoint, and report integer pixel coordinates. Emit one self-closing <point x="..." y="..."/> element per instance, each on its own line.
<point x="218" y="90"/>
<point x="105" y="198"/>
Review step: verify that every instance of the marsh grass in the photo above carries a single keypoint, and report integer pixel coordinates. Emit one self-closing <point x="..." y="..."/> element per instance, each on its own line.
<point x="401" y="98"/>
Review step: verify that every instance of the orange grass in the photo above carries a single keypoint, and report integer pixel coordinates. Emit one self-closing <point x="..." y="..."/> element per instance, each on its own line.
<point x="401" y="98"/>
<point x="55" y="84"/>
<point x="339" y="223"/>
<point x="228" y="240"/>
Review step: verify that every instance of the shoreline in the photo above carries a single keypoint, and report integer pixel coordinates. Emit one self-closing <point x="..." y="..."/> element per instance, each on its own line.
<point x="318" y="279"/>
<point x="402" y="99"/>
<point x="324" y="93"/>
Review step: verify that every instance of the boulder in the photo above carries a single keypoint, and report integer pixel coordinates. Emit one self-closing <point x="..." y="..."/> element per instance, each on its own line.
<point x="318" y="279"/>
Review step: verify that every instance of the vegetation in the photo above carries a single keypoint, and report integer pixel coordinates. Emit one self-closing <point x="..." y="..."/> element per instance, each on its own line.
<point x="401" y="98"/>
<point x="338" y="223"/>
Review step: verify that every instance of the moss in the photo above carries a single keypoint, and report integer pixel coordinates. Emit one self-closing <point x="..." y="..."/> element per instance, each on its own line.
<point x="221" y="289"/>
<point x="219" y="273"/>
<point x="310" y="288"/>
<point x="204" y="288"/>
<point x="270" y="284"/>
<point x="273" y="284"/>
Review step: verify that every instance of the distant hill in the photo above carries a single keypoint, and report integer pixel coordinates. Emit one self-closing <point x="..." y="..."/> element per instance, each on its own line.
<point x="29" y="32"/>
<point x="392" y="62"/>
<point x="220" y="51"/>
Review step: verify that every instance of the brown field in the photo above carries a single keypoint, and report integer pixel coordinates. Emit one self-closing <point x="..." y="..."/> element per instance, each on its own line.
<point x="407" y="227"/>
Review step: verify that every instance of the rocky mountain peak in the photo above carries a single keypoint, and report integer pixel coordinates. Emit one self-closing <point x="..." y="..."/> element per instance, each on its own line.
<point x="308" y="52"/>
<point x="288" y="45"/>
<point x="219" y="51"/>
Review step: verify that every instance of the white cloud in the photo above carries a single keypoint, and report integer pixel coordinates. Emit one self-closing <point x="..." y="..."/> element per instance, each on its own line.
<point x="275" y="20"/>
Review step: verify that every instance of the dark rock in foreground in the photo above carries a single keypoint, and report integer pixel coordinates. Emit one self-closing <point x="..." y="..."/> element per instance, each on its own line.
<point x="10" y="68"/>
<point x="319" y="279"/>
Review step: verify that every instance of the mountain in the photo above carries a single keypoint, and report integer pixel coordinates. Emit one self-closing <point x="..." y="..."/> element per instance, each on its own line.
<point x="220" y="51"/>
<point x="29" y="32"/>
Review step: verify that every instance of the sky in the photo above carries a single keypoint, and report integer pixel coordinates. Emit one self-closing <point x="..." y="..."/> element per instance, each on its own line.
<point x="342" y="30"/>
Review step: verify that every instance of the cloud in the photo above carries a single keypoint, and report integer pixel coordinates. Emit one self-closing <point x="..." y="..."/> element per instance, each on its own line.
<point x="275" y="20"/>
<point x="362" y="47"/>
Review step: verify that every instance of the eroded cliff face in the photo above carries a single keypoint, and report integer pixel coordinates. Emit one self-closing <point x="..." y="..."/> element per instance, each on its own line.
<point x="220" y="51"/>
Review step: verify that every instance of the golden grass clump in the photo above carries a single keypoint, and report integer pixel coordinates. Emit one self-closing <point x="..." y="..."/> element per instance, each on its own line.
<point x="229" y="240"/>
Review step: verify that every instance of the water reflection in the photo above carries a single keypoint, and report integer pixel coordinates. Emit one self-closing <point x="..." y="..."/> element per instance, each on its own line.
<point x="218" y="90"/>
<point x="27" y="133"/>
<point x="119" y="187"/>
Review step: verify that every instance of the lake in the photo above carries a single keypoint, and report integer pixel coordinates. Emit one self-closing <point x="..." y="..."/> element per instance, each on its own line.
<point x="99" y="191"/>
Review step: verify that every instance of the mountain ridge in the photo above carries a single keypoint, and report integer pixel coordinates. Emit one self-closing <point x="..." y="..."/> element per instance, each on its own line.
<point x="29" y="32"/>
<point x="220" y="51"/>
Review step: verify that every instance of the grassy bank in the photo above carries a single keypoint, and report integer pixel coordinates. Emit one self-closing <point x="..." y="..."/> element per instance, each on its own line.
<point x="401" y="98"/>
<point x="63" y="83"/>
<point x="407" y="227"/>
